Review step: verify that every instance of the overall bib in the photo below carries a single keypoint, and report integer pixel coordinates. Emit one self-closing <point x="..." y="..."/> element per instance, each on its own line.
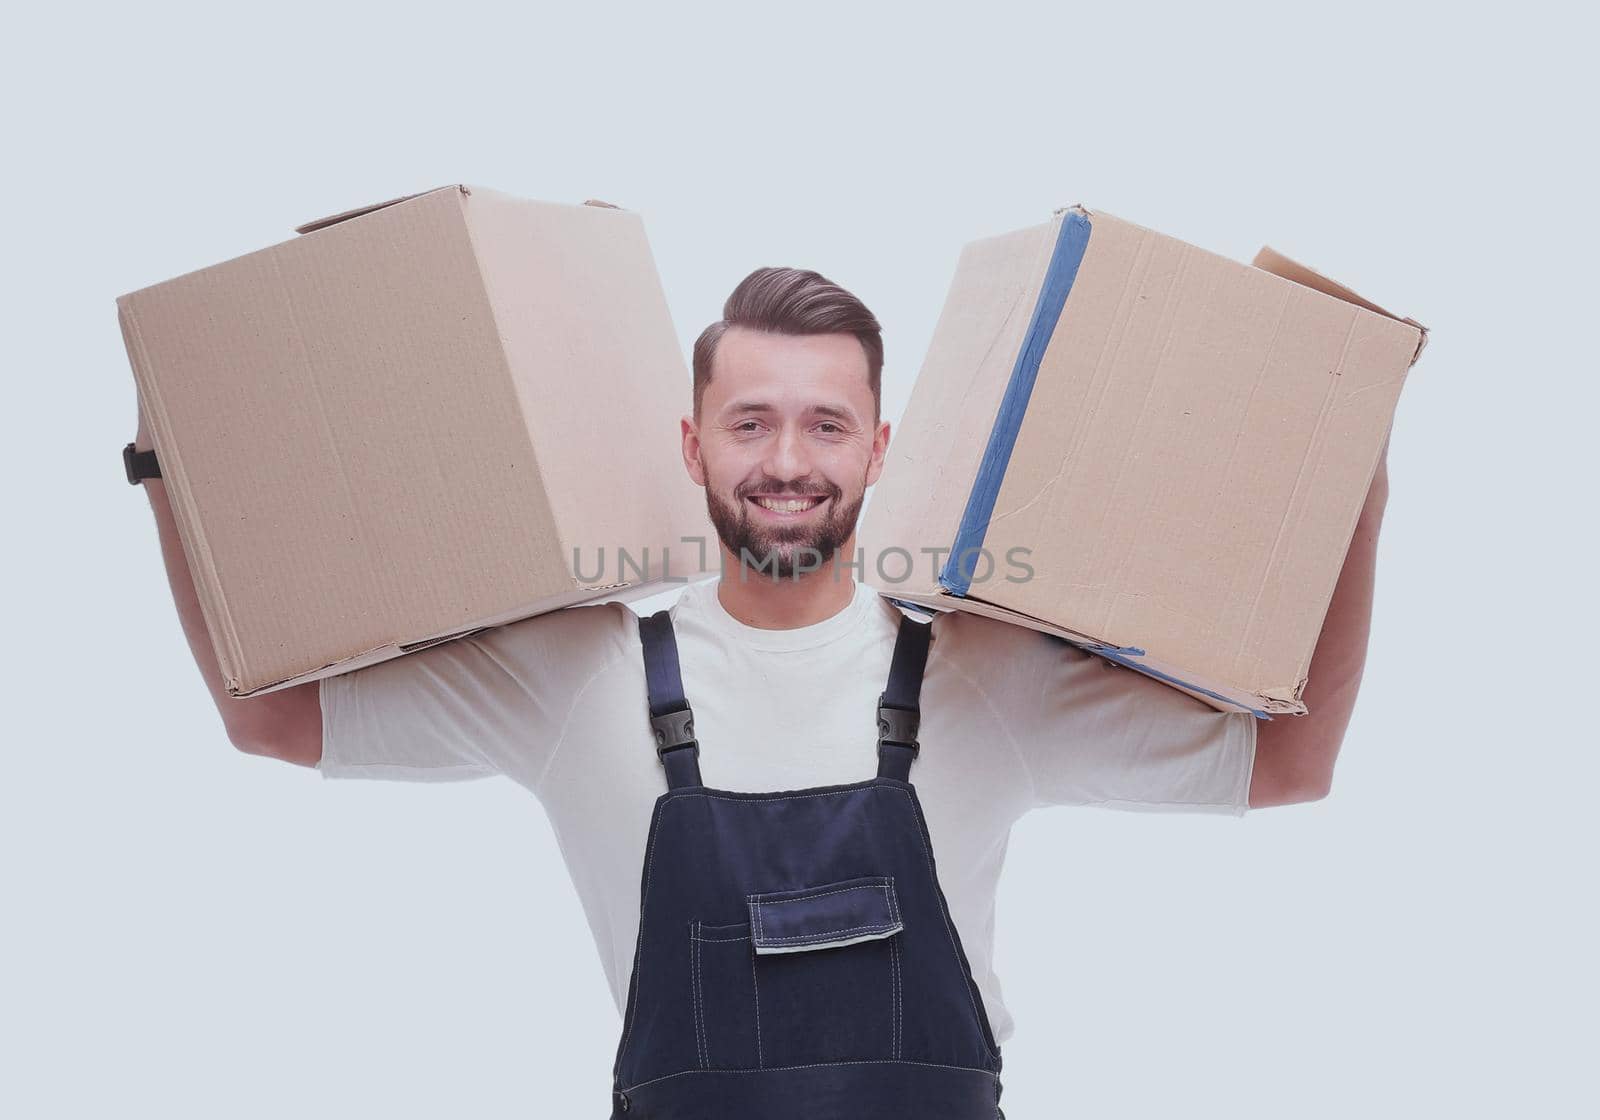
<point x="796" y="959"/>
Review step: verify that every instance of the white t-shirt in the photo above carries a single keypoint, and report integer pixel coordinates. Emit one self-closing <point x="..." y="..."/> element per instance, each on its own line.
<point x="1011" y="720"/>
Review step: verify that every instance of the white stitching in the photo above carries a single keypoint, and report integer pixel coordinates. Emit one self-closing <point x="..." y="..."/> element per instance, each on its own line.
<point x="949" y="929"/>
<point x="900" y="1005"/>
<point x="857" y="787"/>
<point x="989" y="1073"/>
<point x="638" y="943"/>
<point x="889" y="927"/>
<point x="893" y="1050"/>
<point x="699" y="998"/>
<point x="765" y="901"/>
<point x="893" y="924"/>
<point x="672" y="796"/>
<point x="662" y="802"/>
<point x="894" y="1033"/>
<point x="756" y="987"/>
<point x="894" y="958"/>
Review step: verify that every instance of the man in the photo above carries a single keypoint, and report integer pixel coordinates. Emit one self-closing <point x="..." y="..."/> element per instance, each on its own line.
<point x="784" y="659"/>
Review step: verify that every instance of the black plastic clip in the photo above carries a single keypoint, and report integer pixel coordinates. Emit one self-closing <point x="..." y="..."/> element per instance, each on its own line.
<point x="898" y="725"/>
<point x="140" y="465"/>
<point x="674" y="730"/>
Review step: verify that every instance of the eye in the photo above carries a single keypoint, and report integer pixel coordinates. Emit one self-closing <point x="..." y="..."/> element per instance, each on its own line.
<point x="830" y="427"/>
<point x="746" y="426"/>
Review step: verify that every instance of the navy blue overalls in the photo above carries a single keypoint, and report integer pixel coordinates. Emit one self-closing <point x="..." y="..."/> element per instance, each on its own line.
<point x="796" y="959"/>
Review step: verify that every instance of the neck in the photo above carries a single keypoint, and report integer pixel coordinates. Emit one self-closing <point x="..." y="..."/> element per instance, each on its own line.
<point x="786" y="603"/>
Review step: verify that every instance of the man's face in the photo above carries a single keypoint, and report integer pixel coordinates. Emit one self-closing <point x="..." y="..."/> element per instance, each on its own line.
<point x="786" y="446"/>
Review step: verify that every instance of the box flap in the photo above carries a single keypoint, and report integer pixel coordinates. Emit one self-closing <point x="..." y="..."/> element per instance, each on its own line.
<point x="346" y="215"/>
<point x="1270" y="260"/>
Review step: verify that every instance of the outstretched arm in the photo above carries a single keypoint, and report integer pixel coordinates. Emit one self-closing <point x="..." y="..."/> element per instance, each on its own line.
<point x="1295" y="754"/>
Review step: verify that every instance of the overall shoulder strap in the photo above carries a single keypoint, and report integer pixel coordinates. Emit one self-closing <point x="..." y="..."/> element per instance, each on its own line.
<point x="670" y="717"/>
<point x="898" y="709"/>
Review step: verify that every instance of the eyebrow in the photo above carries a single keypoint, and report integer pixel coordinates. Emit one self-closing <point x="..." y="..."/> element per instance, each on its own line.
<point x="834" y="411"/>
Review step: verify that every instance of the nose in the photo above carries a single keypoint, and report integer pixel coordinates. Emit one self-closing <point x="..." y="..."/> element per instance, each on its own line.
<point x="786" y="458"/>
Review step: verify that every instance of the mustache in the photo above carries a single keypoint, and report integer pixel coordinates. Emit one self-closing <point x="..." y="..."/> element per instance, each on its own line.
<point x="784" y="491"/>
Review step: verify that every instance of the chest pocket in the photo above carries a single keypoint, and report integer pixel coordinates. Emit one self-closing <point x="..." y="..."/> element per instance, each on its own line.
<point x="813" y="976"/>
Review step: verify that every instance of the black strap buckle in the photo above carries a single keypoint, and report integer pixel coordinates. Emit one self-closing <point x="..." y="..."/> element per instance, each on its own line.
<point x="139" y="465"/>
<point x="898" y="725"/>
<point x="674" y="730"/>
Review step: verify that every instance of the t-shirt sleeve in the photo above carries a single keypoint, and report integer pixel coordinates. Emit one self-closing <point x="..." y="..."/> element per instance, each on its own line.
<point x="491" y="703"/>
<point x="1092" y="732"/>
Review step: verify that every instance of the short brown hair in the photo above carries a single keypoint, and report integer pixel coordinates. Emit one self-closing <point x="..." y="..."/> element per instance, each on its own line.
<point x="792" y="301"/>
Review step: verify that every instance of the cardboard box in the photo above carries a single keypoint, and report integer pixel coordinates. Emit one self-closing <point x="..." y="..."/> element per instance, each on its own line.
<point x="417" y="420"/>
<point x="1178" y="444"/>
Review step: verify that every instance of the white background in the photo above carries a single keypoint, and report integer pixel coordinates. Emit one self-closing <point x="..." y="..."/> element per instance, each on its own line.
<point x="192" y="932"/>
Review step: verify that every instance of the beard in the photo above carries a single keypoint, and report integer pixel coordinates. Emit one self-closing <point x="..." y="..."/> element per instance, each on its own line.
<point x="784" y="552"/>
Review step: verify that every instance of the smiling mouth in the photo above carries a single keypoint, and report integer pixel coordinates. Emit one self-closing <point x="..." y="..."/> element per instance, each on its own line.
<point x="788" y="506"/>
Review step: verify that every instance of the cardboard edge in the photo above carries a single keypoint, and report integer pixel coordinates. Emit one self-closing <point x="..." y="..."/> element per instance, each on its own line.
<point x="578" y="597"/>
<point x="1270" y="260"/>
<point x="465" y="213"/>
<point x="345" y="215"/>
<point x="1265" y="704"/>
<point x="225" y="646"/>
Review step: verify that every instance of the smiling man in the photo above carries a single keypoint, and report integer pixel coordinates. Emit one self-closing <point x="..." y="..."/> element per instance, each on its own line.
<point x="786" y="448"/>
<point x="776" y="765"/>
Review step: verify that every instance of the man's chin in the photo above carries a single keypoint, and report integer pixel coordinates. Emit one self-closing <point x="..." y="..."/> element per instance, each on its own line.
<point x="788" y="555"/>
<point x="795" y="551"/>
<point x="787" y="559"/>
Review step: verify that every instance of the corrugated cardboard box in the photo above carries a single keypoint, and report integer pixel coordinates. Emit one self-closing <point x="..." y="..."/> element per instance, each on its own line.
<point x="1144" y="448"/>
<point x="414" y="421"/>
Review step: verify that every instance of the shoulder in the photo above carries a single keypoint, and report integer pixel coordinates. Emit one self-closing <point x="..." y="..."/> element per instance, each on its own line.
<point x="597" y="623"/>
<point x="985" y="647"/>
<point x="565" y="647"/>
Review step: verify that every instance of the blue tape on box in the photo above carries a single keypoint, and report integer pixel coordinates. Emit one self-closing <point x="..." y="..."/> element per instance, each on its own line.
<point x="1071" y="241"/>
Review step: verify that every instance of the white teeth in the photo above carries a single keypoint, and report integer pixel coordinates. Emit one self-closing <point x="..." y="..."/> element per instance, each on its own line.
<point x="788" y="505"/>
